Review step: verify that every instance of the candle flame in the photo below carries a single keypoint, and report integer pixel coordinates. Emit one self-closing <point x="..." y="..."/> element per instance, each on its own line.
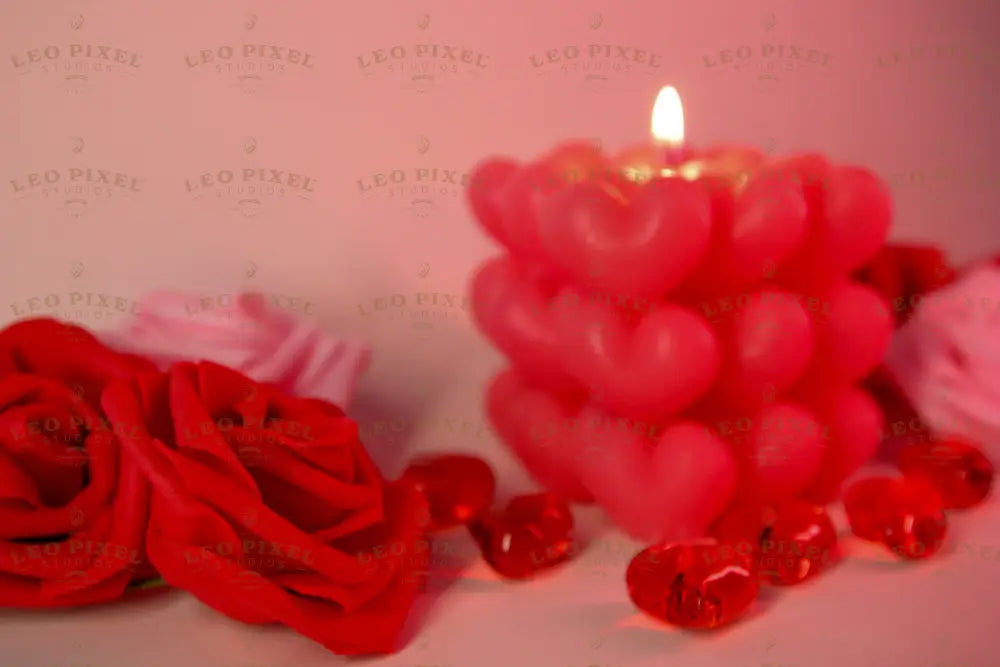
<point x="668" y="117"/>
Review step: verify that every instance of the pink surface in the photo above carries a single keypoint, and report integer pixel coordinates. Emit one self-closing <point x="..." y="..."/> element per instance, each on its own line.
<point x="355" y="140"/>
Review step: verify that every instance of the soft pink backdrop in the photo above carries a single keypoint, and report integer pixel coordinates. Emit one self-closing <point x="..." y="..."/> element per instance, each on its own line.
<point x="909" y="90"/>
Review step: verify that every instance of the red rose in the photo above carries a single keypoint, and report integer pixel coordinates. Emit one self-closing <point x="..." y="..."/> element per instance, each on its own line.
<point x="903" y="274"/>
<point x="268" y="508"/>
<point x="72" y="512"/>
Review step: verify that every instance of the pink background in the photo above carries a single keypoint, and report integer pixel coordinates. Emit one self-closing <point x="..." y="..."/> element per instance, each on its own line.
<point x="909" y="89"/>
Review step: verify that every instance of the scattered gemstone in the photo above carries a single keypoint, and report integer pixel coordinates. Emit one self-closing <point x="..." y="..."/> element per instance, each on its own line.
<point x="960" y="472"/>
<point x="742" y="526"/>
<point x="695" y="586"/>
<point x="532" y="533"/>
<point x="458" y="488"/>
<point x="800" y="544"/>
<point x="790" y="542"/>
<point x="906" y="515"/>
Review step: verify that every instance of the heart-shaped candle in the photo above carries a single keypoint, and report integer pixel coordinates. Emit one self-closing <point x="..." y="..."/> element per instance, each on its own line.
<point x="682" y="325"/>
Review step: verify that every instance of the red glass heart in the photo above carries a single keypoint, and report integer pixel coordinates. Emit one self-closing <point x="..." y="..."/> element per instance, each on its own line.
<point x="800" y="544"/>
<point x="532" y="533"/>
<point x="904" y="514"/>
<point x="790" y="543"/>
<point x="696" y="586"/>
<point x="458" y="488"/>
<point x="959" y="471"/>
<point x="742" y="526"/>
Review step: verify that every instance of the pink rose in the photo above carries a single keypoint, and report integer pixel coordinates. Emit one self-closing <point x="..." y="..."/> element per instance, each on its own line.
<point x="250" y="337"/>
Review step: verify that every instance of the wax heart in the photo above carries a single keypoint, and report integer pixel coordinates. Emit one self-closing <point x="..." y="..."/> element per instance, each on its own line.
<point x="856" y="220"/>
<point x="547" y="279"/>
<point x="708" y="279"/>
<point x="647" y="371"/>
<point x="516" y="316"/>
<point x="855" y="427"/>
<point x="852" y="335"/>
<point x="538" y="427"/>
<point x="779" y="455"/>
<point x="767" y="346"/>
<point x="669" y="489"/>
<point x="483" y="194"/>
<point x="518" y="201"/>
<point x="812" y="173"/>
<point x="753" y="232"/>
<point x="769" y="225"/>
<point x="643" y="247"/>
<point x="848" y="228"/>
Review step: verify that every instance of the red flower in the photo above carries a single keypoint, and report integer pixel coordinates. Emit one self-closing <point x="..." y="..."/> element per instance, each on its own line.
<point x="269" y="509"/>
<point x="72" y="511"/>
<point x="903" y="274"/>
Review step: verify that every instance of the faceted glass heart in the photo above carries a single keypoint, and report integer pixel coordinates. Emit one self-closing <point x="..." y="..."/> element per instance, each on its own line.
<point x="906" y="515"/>
<point x="697" y="586"/>
<point x="791" y="542"/>
<point x="458" y="488"/>
<point x="532" y="533"/>
<point x="743" y="526"/>
<point x="800" y="544"/>
<point x="959" y="471"/>
<point x="552" y="515"/>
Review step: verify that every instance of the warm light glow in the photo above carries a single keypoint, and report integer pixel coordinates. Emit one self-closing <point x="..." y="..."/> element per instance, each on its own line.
<point x="668" y="117"/>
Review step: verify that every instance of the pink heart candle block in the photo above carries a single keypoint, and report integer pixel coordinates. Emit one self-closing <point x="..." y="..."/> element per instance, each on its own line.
<point x="681" y="326"/>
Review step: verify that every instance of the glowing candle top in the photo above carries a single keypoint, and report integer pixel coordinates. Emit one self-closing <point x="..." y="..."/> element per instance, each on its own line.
<point x="668" y="118"/>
